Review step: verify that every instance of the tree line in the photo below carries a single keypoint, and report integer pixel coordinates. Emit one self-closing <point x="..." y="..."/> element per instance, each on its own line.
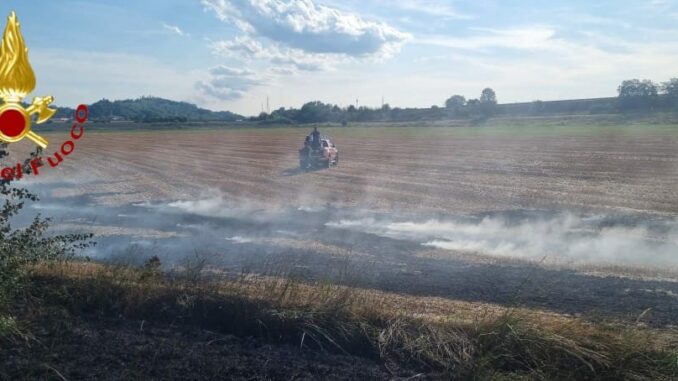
<point x="319" y="112"/>
<point x="634" y="95"/>
<point x="485" y="106"/>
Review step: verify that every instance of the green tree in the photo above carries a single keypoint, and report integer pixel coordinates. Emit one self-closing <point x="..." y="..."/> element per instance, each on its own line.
<point x="455" y="102"/>
<point x="488" y="96"/>
<point x="635" y="94"/>
<point x="473" y="107"/>
<point x="670" y="90"/>
<point x="315" y="112"/>
<point x="488" y="102"/>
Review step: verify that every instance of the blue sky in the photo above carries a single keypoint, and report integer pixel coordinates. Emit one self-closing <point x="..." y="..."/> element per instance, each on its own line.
<point x="232" y="55"/>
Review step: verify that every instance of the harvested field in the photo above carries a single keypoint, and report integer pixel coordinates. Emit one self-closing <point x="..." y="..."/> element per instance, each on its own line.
<point x="576" y="219"/>
<point x="453" y="170"/>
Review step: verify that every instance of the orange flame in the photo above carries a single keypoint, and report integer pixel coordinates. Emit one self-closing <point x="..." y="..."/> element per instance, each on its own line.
<point x="16" y="75"/>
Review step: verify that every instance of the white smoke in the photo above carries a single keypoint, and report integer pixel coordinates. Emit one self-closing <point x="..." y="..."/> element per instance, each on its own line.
<point x="564" y="238"/>
<point x="218" y="207"/>
<point x="239" y="239"/>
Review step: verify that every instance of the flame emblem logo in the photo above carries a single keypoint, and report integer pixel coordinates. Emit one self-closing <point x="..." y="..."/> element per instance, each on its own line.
<point x="16" y="81"/>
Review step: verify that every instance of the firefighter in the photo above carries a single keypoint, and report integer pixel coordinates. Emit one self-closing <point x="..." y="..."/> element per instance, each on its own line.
<point x="307" y="145"/>
<point x="315" y="136"/>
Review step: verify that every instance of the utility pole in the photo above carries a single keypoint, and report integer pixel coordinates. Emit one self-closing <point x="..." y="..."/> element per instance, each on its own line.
<point x="268" y="108"/>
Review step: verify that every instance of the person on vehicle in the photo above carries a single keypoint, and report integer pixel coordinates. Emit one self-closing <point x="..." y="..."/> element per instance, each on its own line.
<point x="315" y="136"/>
<point x="307" y="145"/>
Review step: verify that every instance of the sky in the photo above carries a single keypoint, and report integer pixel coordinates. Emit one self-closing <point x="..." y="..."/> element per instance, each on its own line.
<point x="234" y="55"/>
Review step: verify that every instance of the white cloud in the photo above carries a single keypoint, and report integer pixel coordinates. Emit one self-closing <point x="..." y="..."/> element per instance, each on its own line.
<point x="227" y="83"/>
<point x="530" y="37"/>
<point x="282" y="71"/>
<point x="303" y="25"/>
<point x="293" y="36"/>
<point x="247" y="48"/>
<point x="432" y="8"/>
<point x="174" y="29"/>
<point x="229" y="71"/>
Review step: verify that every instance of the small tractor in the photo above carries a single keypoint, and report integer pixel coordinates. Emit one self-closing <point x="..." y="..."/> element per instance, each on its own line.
<point x="322" y="154"/>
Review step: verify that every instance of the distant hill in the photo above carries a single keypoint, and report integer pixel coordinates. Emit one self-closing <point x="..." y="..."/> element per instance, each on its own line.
<point x="150" y="109"/>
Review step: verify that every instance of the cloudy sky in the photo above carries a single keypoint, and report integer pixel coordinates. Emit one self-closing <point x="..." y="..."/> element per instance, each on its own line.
<point x="232" y="55"/>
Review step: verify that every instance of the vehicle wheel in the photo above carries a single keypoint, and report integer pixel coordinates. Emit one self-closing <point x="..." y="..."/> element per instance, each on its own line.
<point x="328" y="163"/>
<point x="303" y="165"/>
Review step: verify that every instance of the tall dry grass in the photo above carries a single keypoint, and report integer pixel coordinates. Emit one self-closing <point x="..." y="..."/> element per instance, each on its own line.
<point x="452" y="339"/>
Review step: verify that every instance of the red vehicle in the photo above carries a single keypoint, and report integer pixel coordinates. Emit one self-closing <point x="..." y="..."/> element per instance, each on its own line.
<point x="322" y="155"/>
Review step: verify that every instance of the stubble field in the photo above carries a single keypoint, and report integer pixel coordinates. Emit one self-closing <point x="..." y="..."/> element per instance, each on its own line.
<point x="575" y="219"/>
<point x="403" y="169"/>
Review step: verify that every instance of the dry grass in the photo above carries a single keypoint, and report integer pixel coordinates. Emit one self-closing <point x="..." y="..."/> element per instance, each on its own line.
<point x="451" y="339"/>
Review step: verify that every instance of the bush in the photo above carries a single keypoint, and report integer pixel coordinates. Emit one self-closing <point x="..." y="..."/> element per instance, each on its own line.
<point x="25" y="246"/>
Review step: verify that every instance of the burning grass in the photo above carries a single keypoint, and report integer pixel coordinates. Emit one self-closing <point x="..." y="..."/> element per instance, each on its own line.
<point x="407" y="335"/>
